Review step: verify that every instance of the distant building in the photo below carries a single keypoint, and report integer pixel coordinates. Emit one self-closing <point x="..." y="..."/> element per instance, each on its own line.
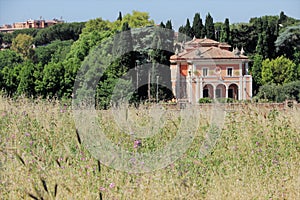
<point x="29" y="24"/>
<point x="206" y="68"/>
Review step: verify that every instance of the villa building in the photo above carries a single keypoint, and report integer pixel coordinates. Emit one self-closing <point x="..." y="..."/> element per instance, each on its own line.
<point x="207" y="68"/>
<point x="30" y="24"/>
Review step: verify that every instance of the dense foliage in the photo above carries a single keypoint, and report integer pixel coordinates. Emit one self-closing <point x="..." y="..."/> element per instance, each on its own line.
<point x="271" y="42"/>
<point x="279" y="93"/>
<point x="45" y="62"/>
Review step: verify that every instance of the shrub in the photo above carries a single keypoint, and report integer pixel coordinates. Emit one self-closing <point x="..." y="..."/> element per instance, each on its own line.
<point x="205" y="100"/>
<point x="225" y="100"/>
<point x="280" y="93"/>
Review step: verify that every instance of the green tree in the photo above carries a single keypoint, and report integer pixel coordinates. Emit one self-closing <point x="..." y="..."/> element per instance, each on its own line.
<point x="162" y="25"/>
<point x="297" y="61"/>
<point x="255" y="70"/>
<point x="181" y="36"/>
<point x="70" y="67"/>
<point x="23" y="44"/>
<point x="289" y="91"/>
<point x="7" y="38"/>
<point x="225" y="33"/>
<point x="56" y="51"/>
<point x="282" y="18"/>
<point x="198" y="28"/>
<point x="66" y="31"/>
<point x="244" y="35"/>
<point x="209" y="27"/>
<point x="11" y="78"/>
<point x="218" y="30"/>
<point x="262" y="43"/>
<point x="8" y="60"/>
<point x="120" y="16"/>
<point x="280" y="93"/>
<point x="188" y="29"/>
<point x="26" y="79"/>
<point x="169" y="25"/>
<point x="267" y="31"/>
<point x="280" y="70"/>
<point x="123" y="50"/>
<point x="95" y="33"/>
<point x="268" y="92"/>
<point x="138" y="19"/>
<point x="288" y="42"/>
<point x="52" y="83"/>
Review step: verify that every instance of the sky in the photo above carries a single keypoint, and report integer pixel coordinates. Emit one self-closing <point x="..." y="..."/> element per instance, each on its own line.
<point x="159" y="10"/>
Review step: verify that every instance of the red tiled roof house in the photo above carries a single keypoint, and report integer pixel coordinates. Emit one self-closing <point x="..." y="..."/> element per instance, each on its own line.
<point x="206" y="68"/>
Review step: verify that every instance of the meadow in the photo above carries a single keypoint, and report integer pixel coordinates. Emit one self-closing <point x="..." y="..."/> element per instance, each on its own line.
<point x="257" y="156"/>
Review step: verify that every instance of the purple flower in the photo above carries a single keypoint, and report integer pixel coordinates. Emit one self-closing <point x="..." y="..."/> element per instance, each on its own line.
<point x="137" y="143"/>
<point x="27" y="134"/>
<point x="112" y="185"/>
<point x="102" y="188"/>
<point x="132" y="160"/>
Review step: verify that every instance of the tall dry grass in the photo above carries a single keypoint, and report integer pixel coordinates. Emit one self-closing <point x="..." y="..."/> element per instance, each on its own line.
<point x="256" y="157"/>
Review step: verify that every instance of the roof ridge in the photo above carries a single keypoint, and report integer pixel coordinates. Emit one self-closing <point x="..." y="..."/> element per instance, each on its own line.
<point x="208" y="49"/>
<point x="185" y="52"/>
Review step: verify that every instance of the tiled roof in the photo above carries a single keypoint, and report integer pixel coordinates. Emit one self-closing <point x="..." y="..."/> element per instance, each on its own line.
<point x="224" y="45"/>
<point x="202" y="41"/>
<point x="207" y="53"/>
<point x="197" y="49"/>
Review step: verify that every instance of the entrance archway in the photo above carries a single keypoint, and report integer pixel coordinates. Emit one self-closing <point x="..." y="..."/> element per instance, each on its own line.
<point x="220" y="91"/>
<point x="233" y="91"/>
<point x="208" y="91"/>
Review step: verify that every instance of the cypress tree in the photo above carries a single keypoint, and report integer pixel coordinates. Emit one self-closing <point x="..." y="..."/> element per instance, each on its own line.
<point x="265" y="34"/>
<point x="225" y="35"/>
<point x="123" y="48"/>
<point x="120" y="16"/>
<point x="181" y="36"/>
<point x="188" y="29"/>
<point x="259" y="49"/>
<point x="209" y="27"/>
<point x="170" y="37"/>
<point x="282" y="18"/>
<point x="162" y="25"/>
<point x="198" y="28"/>
<point x="259" y="30"/>
<point x="169" y="25"/>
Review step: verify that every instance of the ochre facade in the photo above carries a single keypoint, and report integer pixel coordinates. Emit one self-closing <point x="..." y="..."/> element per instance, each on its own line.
<point x="30" y="24"/>
<point x="206" y="68"/>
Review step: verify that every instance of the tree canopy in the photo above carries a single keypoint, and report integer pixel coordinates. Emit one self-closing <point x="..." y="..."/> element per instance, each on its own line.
<point x="23" y="44"/>
<point x="45" y="62"/>
<point x="280" y="70"/>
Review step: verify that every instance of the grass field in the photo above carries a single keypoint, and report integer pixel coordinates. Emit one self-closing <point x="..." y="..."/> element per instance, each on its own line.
<point x="256" y="157"/>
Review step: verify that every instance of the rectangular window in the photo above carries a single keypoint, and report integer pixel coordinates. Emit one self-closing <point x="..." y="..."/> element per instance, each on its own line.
<point x="205" y="71"/>
<point x="229" y="71"/>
